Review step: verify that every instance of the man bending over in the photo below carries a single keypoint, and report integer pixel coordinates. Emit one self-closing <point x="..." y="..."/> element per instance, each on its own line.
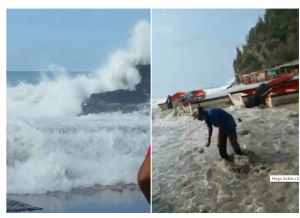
<point x="227" y="128"/>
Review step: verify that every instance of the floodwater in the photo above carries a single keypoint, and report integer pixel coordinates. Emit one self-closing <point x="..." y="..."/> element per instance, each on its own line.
<point x="188" y="177"/>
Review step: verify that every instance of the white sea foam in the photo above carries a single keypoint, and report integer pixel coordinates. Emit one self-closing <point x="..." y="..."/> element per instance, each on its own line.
<point x="50" y="148"/>
<point x="60" y="154"/>
<point x="62" y="95"/>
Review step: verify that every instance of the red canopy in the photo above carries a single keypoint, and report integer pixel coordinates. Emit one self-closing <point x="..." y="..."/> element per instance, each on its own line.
<point x="198" y="93"/>
<point x="177" y="95"/>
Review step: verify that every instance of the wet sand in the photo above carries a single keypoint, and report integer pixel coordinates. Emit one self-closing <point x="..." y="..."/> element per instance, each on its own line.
<point x="87" y="200"/>
<point x="188" y="177"/>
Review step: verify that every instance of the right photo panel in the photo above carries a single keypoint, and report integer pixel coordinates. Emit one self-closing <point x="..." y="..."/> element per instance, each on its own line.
<point x="225" y="117"/>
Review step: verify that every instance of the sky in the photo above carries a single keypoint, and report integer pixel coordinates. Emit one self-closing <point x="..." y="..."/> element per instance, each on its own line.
<point x="77" y="40"/>
<point x="194" y="49"/>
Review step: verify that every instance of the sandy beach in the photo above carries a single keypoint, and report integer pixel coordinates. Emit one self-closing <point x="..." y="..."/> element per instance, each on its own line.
<point x="188" y="177"/>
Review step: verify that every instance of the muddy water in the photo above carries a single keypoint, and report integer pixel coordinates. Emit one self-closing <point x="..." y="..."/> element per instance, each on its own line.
<point x="188" y="177"/>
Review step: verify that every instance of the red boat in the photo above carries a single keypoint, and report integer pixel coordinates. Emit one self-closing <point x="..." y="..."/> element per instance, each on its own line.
<point x="280" y="85"/>
<point x="284" y="84"/>
<point x="194" y="96"/>
<point x="198" y="93"/>
<point x="177" y="96"/>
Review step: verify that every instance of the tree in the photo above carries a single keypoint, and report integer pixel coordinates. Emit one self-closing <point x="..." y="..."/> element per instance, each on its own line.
<point x="272" y="41"/>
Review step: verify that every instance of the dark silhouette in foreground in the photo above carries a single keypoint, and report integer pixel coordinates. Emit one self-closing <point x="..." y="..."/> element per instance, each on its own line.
<point x="144" y="178"/>
<point x="259" y="97"/>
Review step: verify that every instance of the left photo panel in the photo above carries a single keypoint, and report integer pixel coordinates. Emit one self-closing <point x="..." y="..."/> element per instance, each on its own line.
<point x="78" y="111"/>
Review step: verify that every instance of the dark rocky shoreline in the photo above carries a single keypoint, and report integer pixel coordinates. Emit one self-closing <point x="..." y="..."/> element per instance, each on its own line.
<point x="120" y="100"/>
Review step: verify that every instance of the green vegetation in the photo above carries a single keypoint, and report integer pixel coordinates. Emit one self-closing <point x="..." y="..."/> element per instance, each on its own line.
<point x="272" y="41"/>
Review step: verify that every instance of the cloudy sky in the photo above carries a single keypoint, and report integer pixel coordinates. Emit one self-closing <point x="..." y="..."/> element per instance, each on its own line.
<point x="195" y="48"/>
<point x="77" y="40"/>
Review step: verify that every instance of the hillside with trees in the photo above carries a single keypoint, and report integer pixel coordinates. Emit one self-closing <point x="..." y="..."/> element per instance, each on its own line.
<point x="272" y="41"/>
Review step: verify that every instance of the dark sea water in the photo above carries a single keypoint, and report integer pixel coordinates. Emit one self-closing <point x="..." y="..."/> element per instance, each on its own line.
<point x="89" y="200"/>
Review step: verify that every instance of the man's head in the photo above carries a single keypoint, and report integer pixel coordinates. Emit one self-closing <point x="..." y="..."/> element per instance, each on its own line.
<point x="201" y="114"/>
<point x="198" y="113"/>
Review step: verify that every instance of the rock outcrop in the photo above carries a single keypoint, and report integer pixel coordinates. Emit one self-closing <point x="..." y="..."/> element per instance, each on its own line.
<point x="120" y="100"/>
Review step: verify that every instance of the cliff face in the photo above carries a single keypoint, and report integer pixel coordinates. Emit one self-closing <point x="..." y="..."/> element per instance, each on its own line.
<point x="120" y="100"/>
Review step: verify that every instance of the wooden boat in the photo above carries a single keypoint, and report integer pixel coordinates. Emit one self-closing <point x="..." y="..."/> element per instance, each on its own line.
<point x="185" y="98"/>
<point x="285" y="90"/>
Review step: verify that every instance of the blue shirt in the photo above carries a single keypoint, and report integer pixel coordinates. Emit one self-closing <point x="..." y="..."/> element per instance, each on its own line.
<point x="219" y="118"/>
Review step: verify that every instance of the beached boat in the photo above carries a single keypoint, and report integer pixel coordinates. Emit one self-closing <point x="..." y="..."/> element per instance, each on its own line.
<point x="183" y="98"/>
<point x="285" y="89"/>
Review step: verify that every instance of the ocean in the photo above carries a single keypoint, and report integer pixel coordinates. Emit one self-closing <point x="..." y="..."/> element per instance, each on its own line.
<point x="81" y="134"/>
<point x="52" y="148"/>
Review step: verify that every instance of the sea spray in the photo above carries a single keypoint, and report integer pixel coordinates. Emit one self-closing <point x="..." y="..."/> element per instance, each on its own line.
<point x="61" y="154"/>
<point x="63" y="94"/>
<point x="51" y="148"/>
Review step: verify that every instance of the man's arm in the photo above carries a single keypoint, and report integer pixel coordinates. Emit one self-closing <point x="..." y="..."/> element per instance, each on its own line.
<point x="144" y="178"/>
<point x="209" y="134"/>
